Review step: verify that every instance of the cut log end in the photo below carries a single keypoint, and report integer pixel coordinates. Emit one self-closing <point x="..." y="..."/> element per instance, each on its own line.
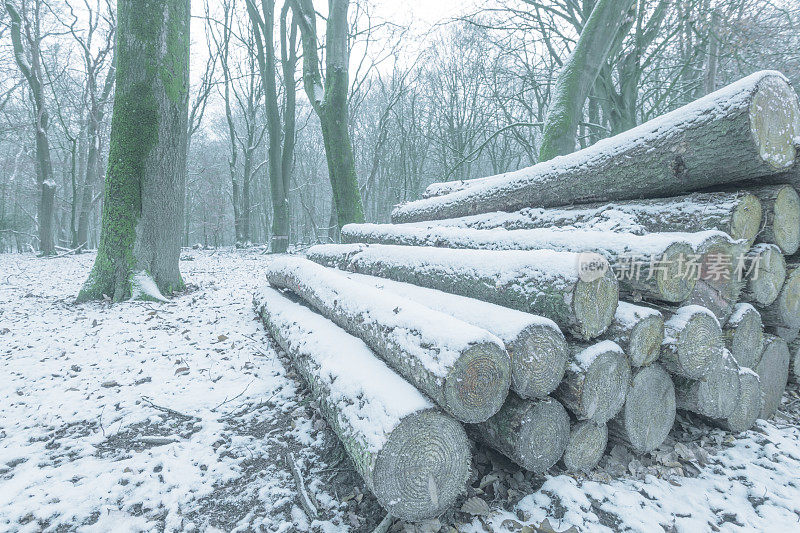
<point x="649" y="411"/>
<point x="478" y="383"/>
<point x="697" y="348"/>
<point x="424" y="466"/>
<point x="605" y="386"/>
<point x="769" y="273"/>
<point x="774" y="113"/>
<point x="646" y="338"/>
<point x="773" y="371"/>
<point x="543" y="436"/>
<point x="746" y="219"/>
<point x="675" y="282"/>
<point x="745" y="338"/>
<point x="594" y="305"/>
<point x="786" y="220"/>
<point x="718" y="393"/>
<point x="748" y="406"/>
<point x="586" y="445"/>
<point x="538" y="359"/>
<point x="785" y="311"/>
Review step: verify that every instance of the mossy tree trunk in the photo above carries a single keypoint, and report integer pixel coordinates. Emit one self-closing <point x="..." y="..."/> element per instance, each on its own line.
<point x="330" y="102"/>
<point x="578" y="75"/>
<point x="144" y="191"/>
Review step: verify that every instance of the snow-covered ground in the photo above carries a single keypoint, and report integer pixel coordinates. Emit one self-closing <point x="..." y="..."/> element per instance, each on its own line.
<point x="184" y="417"/>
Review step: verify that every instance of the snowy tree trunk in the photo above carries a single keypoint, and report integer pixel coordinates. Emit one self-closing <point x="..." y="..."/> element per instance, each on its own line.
<point x="586" y="446"/>
<point x="693" y="343"/>
<point x="784" y="312"/>
<point x="541" y="282"/>
<point x="462" y="368"/>
<point x="596" y="381"/>
<point x="649" y="411"/>
<point x="643" y="257"/>
<point x="740" y="132"/>
<point x="716" y="395"/>
<point x="415" y="459"/>
<point x="144" y="192"/>
<point x="639" y="331"/>
<point x="532" y="433"/>
<point x="781" y="224"/>
<point x="744" y="335"/>
<point x="536" y="345"/>
<point x="773" y="372"/>
<point x="748" y="404"/>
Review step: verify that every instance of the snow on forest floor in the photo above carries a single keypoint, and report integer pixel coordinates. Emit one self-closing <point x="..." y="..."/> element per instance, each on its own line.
<point x="184" y="417"/>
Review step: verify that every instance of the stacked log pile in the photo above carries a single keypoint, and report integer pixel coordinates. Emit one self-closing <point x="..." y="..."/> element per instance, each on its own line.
<point x="548" y="311"/>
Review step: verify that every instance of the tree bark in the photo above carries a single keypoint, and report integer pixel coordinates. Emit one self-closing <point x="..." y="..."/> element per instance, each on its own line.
<point x="649" y="411"/>
<point x="540" y="282"/>
<point x="646" y="265"/>
<point x="464" y="369"/>
<point x="414" y="458"/>
<point x="740" y="132"/>
<point x="586" y="446"/>
<point x="595" y="383"/>
<point x="714" y="396"/>
<point x="639" y="331"/>
<point x="739" y="214"/>
<point x="693" y="343"/>
<point x="145" y="183"/>
<point x="536" y="345"/>
<point x="773" y="372"/>
<point x="578" y="74"/>
<point x="532" y="433"/>
<point x="744" y="335"/>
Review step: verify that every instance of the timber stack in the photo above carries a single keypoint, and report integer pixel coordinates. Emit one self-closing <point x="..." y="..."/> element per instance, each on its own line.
<point x="549" y="311"/>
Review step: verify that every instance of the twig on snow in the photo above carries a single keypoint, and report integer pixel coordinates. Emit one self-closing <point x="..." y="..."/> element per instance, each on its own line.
<point x="305" y="499"/>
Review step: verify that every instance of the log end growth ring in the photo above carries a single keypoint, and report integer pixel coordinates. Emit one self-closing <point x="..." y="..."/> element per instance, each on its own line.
<point x="544" y="436"/>
<point x="478" y="383"/>
<point x="675" y="282"/>
<point x="746" y="219"/>
<point x="538" y="361"/>
<point x="424" y="466"/>
<point x="646" y="338"/>
<point x="700" y="346"/>
<point x="605" y="386"/>
<point x="595" y="303"/>
<point x="748" y="407"/>
<point x="766" y="283"/>
<point x="649" y="411"/>
<point x="786" y="222"/>
<point x="774" y="115"/>
<point x="747" y="340"/>
<point x="586" y="446"/>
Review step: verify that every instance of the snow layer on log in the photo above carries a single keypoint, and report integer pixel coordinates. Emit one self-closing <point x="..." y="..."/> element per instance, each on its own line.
<point x="536" y="345"/>
<point x="742" y="131"/>
<point x="398" y="441"/>
<point x="464" y="369"/>
<point x="639" y="331"/>
<point x="693" y="342"/>
<point x="541" y="282"/>
<point x="744" y="335"/>
<point x="532" y="433"/>
<point x="586" y="446"/>
<point x="773" y="371"/>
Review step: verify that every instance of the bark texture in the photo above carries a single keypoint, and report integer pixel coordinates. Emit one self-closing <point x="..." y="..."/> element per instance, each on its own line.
<point x="639" y="331"/>
<point x="536" y="345"/>
<point x="532" y="433"/>
<point x="773" y="371"/>
<point x="144" y="192"/>
<point x="417" y="467"/>
<point x="462" y="368"/>
<point x="541" y="282"/>
<point x="693" y="343"/>
<point x="740" y="132"/>
<point x="586" y="446"/>
<point x="744" y="335"/>
<point x="649" y="412"/>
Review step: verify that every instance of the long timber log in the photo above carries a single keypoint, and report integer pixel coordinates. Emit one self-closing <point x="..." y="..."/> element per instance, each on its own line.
<point x="414" y="458"/>
<point x="596" y="381"/>
<point x="639" y="331"/>
<point x="536" y="345"/>
<point x="649" y="411"/>
<point x="773" y="371"/>
<point x="540" y="282"/>
<point x="657" y="258"/>
<point x="464" y="369"/>
<point x="532" y="433"/>
<point x="744" y="335"/>
<point x="693" y="342"/>
<point x="586" y="446"/>
<point x="743" y="131"/>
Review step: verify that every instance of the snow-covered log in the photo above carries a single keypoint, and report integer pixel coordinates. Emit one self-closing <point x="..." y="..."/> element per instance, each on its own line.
<point x="464" y="369"/>
<point x="649" y="411"/>
<point x="649" y="265"/>
<point x="639" y="331"/>
<point x="740" y="132"/>
<point x="744" y="335"/>
<point x="693" y="342"/>
<point x="414" y="458"/>
<point x="748" y="405"/>
<point x="781" y="224"/>
<point x="738" y="214"/>
<point x="595" y="382"/>
<point x="714" y="396"/>
<point x="541" y="282"/>
<point x="773" y="371"/>
<point x="586" y="446"/>
<point x="536" y="345"/>
<point x="764" y="271"/>
<point x="784" y="312"/>
<point x="532" y="433"/>
<point x="718" y="286"/>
